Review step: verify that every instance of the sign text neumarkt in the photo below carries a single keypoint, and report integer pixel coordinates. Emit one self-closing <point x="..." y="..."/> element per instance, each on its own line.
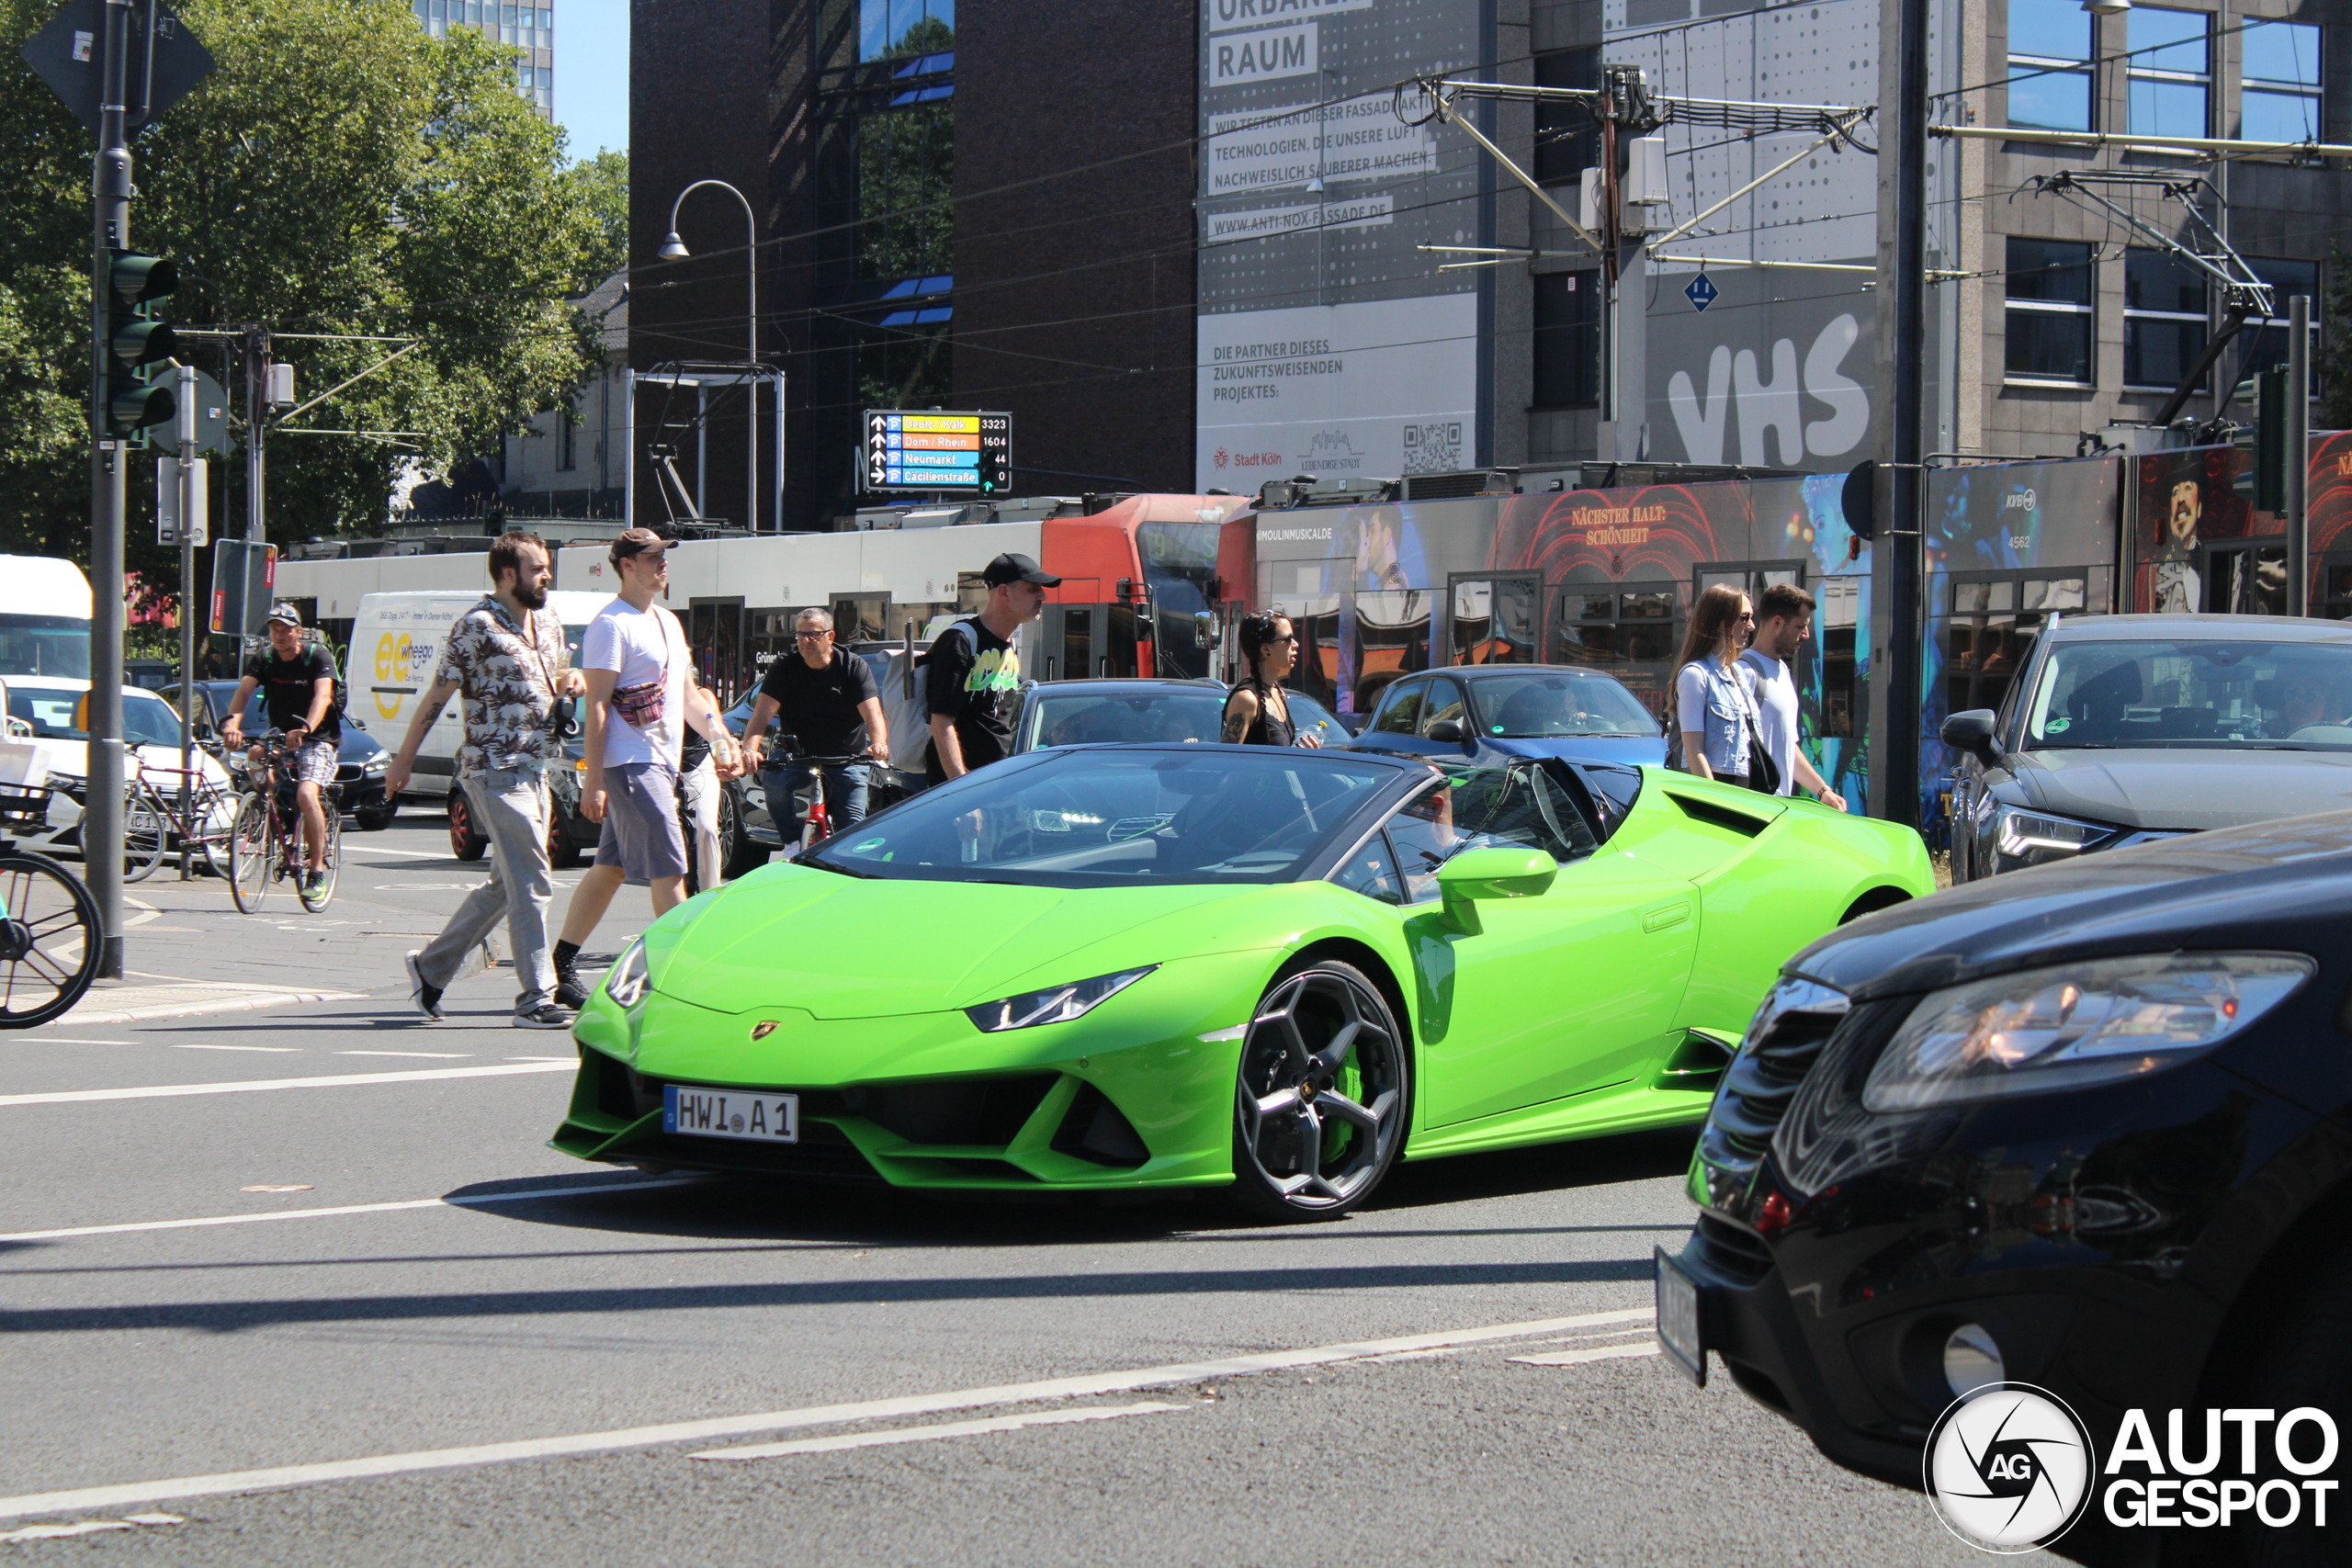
<point x="967" y="451"/>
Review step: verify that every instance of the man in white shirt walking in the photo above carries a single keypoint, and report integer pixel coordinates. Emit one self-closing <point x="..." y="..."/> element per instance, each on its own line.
<point x="1783" y="620"/>
<point x="640" y="699"/>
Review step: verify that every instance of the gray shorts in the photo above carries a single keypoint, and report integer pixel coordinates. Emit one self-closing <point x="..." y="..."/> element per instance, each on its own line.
<point x="641" y="834"/>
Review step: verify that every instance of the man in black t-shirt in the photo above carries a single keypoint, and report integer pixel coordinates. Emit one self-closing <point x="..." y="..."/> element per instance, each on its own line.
<point x="972" y="675"/>
<point x="297" y="682"/>
<point x="826" y="699"/>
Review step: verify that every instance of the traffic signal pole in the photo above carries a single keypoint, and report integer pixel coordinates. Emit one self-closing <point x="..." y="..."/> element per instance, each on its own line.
<point x="110" y="203"/>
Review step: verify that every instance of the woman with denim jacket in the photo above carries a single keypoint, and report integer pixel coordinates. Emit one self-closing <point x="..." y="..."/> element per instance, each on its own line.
<point x="1710" y="700"/>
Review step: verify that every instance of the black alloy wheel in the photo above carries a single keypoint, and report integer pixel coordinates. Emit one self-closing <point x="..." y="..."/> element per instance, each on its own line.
<point x="1323" y="1095"/>
<point x="464" y="842"/>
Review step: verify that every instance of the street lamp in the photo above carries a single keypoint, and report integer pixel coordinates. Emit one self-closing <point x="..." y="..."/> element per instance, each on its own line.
<point x="2106" y="7"/>
<point x="674" y="249"/>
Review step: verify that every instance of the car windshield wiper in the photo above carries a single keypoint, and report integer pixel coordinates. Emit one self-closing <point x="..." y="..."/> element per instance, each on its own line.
<point x="838" y="869"/>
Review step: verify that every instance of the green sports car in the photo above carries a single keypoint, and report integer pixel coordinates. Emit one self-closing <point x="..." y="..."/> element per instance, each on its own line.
<point x="1278" y="972"/>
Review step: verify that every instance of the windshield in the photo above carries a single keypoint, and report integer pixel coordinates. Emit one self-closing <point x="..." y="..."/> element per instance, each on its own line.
<point x="1534" y="705"/>
<point x="2286" y="695"/>
<point x="1086" y="718"/>
<point x="56" y="646"/>
<point x="1179" y="563"/>
<point x="1112" y="817"/>
<point x="147" y="719"/>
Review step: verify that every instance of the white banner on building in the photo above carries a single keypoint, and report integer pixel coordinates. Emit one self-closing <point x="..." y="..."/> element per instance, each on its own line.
<point x="1373" y="390"/>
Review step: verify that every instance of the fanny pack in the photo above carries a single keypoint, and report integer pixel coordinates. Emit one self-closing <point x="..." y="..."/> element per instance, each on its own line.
<point x="644" y="703"/>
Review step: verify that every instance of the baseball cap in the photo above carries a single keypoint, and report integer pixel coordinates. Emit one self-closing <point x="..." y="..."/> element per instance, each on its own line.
<point x="282" y="611"/>
<point x="1011" y="567"/>
<point x="637" y="542"/>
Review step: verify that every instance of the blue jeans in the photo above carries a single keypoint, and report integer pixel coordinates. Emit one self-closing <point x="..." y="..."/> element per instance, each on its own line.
<point x="844" y="796"/>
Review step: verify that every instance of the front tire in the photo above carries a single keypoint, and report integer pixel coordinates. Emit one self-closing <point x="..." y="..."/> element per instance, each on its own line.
<point x="1322" y="1097"/>
<point x="254" y="854"/>
<point x="464" y="842"/>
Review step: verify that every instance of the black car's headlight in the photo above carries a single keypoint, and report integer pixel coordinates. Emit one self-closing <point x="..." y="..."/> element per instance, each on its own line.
<point x="1057" y="1004"/>
<point x="2038" y="838"/>
<point x="626" y="984"/>
<point x="2075" y="1024"/>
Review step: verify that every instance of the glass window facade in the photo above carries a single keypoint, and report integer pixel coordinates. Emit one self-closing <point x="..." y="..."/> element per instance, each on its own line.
<point x="2264" y="340"/>
<point x="2170" y="72"/>
<point x="2049" y="313"/>
<point x="890" y="29"/>
<point x="1567" y="339"/>
<point x="2164" y="319"/>
<point x="2280" y="97"/>
<point x="2050" y="72"/>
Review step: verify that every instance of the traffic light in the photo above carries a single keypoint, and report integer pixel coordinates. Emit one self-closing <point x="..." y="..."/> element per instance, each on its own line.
<point x="994" y="474"/>
<point x="139" y="345"/>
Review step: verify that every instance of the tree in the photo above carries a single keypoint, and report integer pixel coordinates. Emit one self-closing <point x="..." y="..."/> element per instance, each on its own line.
<point x="342" y="177"/>
<point x="603" y="183"/>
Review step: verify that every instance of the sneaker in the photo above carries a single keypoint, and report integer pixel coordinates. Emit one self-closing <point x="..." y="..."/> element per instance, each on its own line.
<point x="428" y="998"/>
<point x="547" y="1015"/>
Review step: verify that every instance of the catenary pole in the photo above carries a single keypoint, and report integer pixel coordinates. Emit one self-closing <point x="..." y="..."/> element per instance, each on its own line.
<point x="1895" y="563"/>
<point x="2299" y="454"/>
<point x="110" y="212"/>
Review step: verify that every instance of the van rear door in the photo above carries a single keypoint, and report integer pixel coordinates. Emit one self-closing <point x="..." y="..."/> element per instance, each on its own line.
<point x="395" y="647"/>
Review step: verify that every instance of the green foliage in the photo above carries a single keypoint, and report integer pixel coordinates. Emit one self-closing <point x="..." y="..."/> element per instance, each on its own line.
<point x="601" y="183"/>
<point x="342" y="173"/>
<point x="906" y="180"/>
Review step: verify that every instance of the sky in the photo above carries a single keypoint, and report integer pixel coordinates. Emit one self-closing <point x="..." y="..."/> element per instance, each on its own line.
<point x="592" y="74"/>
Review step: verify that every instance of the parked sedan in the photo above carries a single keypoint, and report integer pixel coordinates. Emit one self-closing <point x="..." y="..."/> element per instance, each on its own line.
<point x="1495" y="712"/>
<point x="2126" y="728"/>
<point x="1102" y="712"/>
<point x="2081" y="1127"/>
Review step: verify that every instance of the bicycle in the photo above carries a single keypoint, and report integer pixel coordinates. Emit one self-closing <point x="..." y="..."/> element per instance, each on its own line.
<point x="153" y="820"/>
<point x="49" y="948"/>
<point x="265" y="843"/>
<point x="817" y="823"/>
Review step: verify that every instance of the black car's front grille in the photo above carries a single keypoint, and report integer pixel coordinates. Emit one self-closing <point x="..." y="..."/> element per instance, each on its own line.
<point x="1738" y="1252"/>
<point x="1782" y="1045"/>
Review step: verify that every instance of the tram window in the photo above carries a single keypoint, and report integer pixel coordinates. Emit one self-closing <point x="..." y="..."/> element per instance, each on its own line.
<point x="2335" y="588"/>
<point x="1392" y="638"/>
<point x="1627" y="629"/>
<point x="2248" y="581"/>
<point x="1993" y="619"/>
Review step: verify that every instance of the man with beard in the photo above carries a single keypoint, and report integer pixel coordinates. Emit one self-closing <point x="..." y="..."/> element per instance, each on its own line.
<point x="507" y="655"/>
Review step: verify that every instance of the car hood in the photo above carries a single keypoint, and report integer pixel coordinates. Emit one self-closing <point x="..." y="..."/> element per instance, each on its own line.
<point x="870" y="947"/>
<point x="2283" y="885"/>
<point x="2162" y="787"/>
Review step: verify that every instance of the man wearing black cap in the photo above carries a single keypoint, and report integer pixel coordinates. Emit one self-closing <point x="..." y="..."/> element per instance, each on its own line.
<point x="297" y="682"/>
<point x="972" y="675"/>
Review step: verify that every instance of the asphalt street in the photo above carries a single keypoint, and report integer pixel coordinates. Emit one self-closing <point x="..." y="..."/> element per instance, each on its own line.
<point x="303" y="1284"/>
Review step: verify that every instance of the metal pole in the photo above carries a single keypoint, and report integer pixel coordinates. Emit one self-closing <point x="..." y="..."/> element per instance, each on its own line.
<point x="628" y="448"/>
<point x="1897" y="623"/>
<point x="775" y="489"/>
<point x="110" y="220"/>
<point x="257" y="389"/>
<point x="184" y="424"/>
<point x="752" y="378"/>
<point x="2299" y="455"/>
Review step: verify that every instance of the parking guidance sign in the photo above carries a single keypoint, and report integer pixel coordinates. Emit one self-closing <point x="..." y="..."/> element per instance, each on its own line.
<point x="942" y="450"/>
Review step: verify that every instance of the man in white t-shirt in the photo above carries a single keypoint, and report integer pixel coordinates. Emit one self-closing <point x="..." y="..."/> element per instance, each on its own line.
<point x="640" y="699"/>
<point x="1783" y="620"/>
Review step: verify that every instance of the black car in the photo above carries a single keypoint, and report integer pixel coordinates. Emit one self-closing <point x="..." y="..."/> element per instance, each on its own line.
<point x="2125" y="728"/>
<point x="2088" y="1127"/>
<point x="359" y="762"/>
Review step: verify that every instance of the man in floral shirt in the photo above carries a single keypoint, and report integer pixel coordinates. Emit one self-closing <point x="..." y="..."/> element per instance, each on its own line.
<point x="508" y="656"/>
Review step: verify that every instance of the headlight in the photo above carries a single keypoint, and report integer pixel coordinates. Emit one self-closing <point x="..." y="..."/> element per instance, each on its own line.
<point x="2040" y="837"/>
<point x="626" y="984"/>
<point x="2075" y="1024"/>
<point x="1057" y="1005"/>
<point x="376" y="765"/>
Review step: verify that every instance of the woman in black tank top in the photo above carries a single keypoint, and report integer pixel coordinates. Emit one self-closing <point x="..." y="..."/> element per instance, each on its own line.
<point x="1258" y="713"/>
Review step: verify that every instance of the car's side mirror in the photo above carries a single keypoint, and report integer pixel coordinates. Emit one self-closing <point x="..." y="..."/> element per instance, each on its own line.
<point x="1971" y="731"/>
<point x="1448" y="729"/>
<point x="1493" y="870"/>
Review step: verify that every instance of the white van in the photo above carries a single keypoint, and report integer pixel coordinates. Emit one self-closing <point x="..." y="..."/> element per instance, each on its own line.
<point x="396" y="645"/>
<point x="44" y="617"/>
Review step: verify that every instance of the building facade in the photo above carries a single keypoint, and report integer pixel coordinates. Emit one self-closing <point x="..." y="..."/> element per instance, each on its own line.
<point x="529" y="28"/>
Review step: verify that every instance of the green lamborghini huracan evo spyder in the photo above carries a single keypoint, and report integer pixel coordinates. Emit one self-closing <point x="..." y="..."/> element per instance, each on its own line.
<point x="1137" y="967"/>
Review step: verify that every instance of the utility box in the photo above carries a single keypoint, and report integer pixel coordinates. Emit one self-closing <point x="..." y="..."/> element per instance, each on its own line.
<point x="279" y="391"/>
<point x="1589" y="199"/>
<point x="1644" y="184"/>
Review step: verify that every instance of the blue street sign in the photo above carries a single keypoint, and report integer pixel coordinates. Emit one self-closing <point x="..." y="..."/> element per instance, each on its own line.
<point x="1701" y="293"/>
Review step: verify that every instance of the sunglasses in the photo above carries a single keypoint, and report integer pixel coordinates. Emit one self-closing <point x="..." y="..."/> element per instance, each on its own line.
<point x="812" y="636"/>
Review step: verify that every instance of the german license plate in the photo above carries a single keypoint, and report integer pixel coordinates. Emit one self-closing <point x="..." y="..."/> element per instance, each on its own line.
<point x="1678" y="1318"/>
<point x="146" y="822"/>
<point x="730" y="1113"/>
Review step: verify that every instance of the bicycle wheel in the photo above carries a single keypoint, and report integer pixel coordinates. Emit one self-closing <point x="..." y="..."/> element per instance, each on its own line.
<point x="316" y="901"/>
<point x="48" y="940"/>
<point x="254" y="853"/>
<point x="216" y="816"/>
<point x="146" y="829"/>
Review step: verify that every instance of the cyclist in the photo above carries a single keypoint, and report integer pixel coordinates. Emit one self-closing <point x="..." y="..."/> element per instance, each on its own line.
<point x="297" y="682"/>
<point x="828" y="702"/>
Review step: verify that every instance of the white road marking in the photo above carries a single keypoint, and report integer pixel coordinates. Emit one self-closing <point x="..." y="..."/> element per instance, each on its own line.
<point x="338" y="1080"/>
<point x="925" y="1434"/>
<point x="1577" y="1358"/>
<point x="350" y="848"/>
<point x="442" y="1056"/>
<point x="89" y="1527"/>
<point x="183" y="1046"/>
<point x="1085" y="1387"/>
<point x="66" y="1040"/>
<point x="349" y="1209"/>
